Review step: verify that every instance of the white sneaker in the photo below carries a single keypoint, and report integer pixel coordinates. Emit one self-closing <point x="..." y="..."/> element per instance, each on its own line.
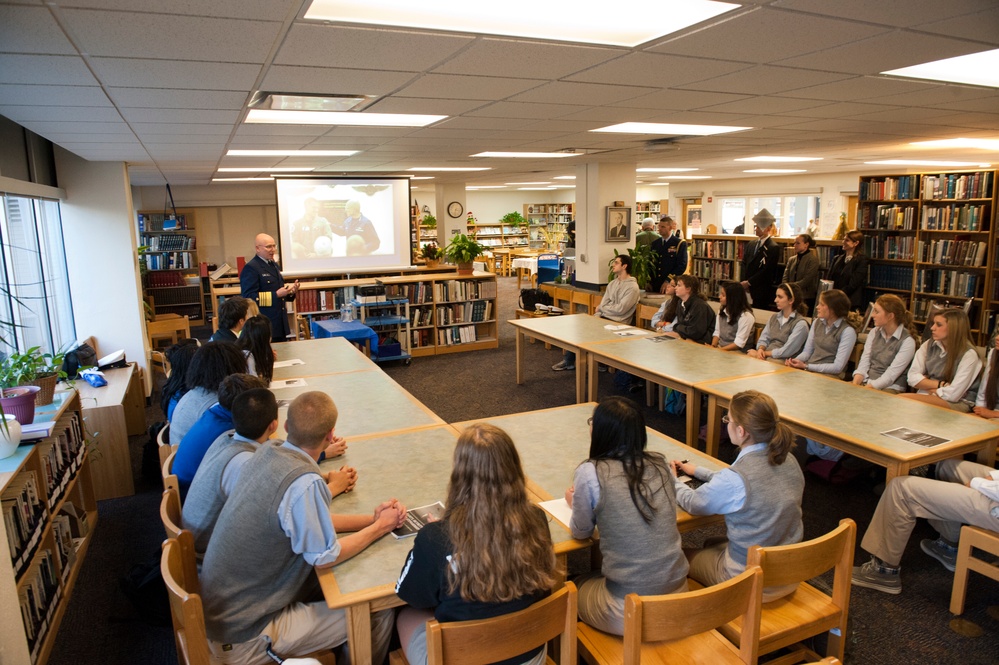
<point x="562" y="365"/>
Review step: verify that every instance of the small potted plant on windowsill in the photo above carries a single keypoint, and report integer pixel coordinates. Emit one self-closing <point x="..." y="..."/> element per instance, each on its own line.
<point x="462" y="251"/>
<point x="32" y="369"/>
<point x="428" y="221"/>
<point x="432" y="254"/>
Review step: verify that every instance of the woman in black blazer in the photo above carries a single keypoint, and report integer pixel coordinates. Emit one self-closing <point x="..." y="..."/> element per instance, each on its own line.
<point x="848" y="271"/>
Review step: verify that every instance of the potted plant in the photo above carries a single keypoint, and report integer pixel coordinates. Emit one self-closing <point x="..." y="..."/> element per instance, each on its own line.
<point x="462" y="251"/>
<point x="515" y="219"/>
<point x="432" y="254"/>
<point x="32" y="368"/>
<point x="429" y="221"/>
<point x="10" y="434"/>
<point x="643" y="264"/>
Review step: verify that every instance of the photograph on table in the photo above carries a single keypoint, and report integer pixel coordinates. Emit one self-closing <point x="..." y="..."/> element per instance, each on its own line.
<point x="618" y="225"/>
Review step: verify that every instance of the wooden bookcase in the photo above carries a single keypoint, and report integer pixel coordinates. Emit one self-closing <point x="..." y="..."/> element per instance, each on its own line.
<point x="173" y="277"/>
<point x="651" y="208"/>
<point x="554" y="217"/>
<point x="497" y="235"/>
<point x="44" y="570"/>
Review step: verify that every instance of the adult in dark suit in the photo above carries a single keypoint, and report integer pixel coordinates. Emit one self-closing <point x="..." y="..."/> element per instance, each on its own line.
<point x="261" y="281"/>
<point x="760" y="267"/>
<point x="848" y="271"/>
<point x="671" y="253"/>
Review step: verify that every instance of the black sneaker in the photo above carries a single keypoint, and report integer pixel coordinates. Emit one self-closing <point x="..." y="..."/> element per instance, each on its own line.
<point x="941" y="551"/>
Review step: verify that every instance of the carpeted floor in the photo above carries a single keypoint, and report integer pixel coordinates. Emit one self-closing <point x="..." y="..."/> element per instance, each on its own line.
<point x="101" y="625"/>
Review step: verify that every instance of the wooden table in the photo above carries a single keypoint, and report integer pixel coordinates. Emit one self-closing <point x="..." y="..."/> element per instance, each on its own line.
<point x="677" y="364"/>
<point x="321" y="356"/>
<point x="412" y="466"/>
<point x="570" y="332"/>
<point x="851" y="419"/>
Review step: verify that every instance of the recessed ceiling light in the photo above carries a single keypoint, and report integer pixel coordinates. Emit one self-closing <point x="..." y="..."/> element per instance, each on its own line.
<point x="655" y="184"/>
<point x="925" y="162"/>
<point x="775" y="171"/>
<point x="341" y="118"/>
<point x="237" y="179"/>
<point x="421" y="177"/>
<point x="291" y="153"/>
<point x="564" y="177"/>
<point x="981" y="144"/>
<point x="777" y="160"/>
<point x="280" y="101"/>
<point x="664" y="128"/>
<point x="450" y="168"/>
<point x="563" y="187"/>
<point x="973" y="69"/>
<point x="665" y="170"/>
<point x="540" y="182"/>
<point x="485" y="187"/>
<point x="534" y="189"/>
<point x="526" y="155"/>
<point x="685" y="177"/>
<point x="269" y="169"/>
<point x="632" y="22"/>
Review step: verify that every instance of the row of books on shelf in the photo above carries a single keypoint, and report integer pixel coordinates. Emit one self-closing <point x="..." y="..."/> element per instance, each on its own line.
<point x="921" y="307"/>
<point x="167" y="242"/>
<point x="958" y="186"/>
<point x="456" y="335"/>
<point x="323" y="300"/>
<point x="421" y="338"/>
<point x="489" y="242"/>
<point x="891" y="277"/>
<point x="719" y="249"/>
<point x="887" y="217"/>
<point x="475" y="311"/>
<point x="162" y="222"/>
<point x="39" y="596"/>
<point x="170" y="261"/>
<point x="178" y="296"/>
<point x="421" y="316"/>
<point x="953" y="252"/>
<point x="551" y="208"/>
<point x="714" y="270"/>
<point x="61" y="455"/>
<point x="454" y="289"/>
<point x="955" y="218"/>
<point x="164" y="279"/>
<point x="893" y="188"/>
<point x="947" y="282"/>
<point x="24" y="512"/>
<point x="890" y="247"/>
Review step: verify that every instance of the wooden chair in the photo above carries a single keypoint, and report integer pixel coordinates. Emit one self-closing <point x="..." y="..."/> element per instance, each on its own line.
<point x="169" y="478"/>
<point x="645" y="314"/>
<point x="807" y="611"/>
<point x="170" y="513"/>
<point x="163" y="446"/>
<point x="168" y="326"/>
<point x="680" y="627"/>
<point x="505" y="636"/>
<point x="972" y="537"/>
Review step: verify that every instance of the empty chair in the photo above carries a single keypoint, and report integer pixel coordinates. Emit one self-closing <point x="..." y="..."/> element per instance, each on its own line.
<point x="972" y="537"/>
<point x="169" y="478"/>
<point x="163" y="446"/>
<point x="680" y="627"/>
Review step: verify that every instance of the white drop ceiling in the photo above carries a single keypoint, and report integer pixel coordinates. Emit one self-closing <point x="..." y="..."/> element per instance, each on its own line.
<point x="163" y="85"/>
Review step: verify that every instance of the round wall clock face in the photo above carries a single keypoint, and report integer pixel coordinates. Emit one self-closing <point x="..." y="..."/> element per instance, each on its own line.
<point x="455" y="209"/>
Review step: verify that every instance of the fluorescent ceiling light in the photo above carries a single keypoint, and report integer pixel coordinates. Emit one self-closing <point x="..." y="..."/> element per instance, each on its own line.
<point x="291" y="153"/>
<point x="664" y="170"/>
<point x="421" y="177"/>
<point x="981" y="144"/>
<point x="341" y="118"/>
<point x="269" y="169"/>
<point x="973" y="69"/>
<point x="926" y="162"/>
<point x="534" y="189"/>
<point x="665" y="128"/>
<point x="563" y="187"/>
<point x="486" y="187"/>
<point x="685" y="177"/>
<point x="526" y="155"/>
<point x="775" y="171"/>
<point x="279" y="101"/>
<point x="564" y="177"/>
<point x="237" y="179"/>
<point x="632" y="22"/>
<point x="540" y="182"/>
<point x="450" y="168"/>
<point x="776" y="160"/>
<point x="655" y="184"/>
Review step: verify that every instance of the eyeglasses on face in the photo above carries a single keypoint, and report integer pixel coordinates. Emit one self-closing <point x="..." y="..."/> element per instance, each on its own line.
<point x="726" y="420"/>
<point x="589" y="421"/>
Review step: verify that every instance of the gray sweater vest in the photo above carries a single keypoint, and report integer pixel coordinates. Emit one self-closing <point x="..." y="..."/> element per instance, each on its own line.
<point x="727" y="332"/>
<point x="826" y="340"/>
<point x="883" y="354"/>
<point x="772" y="512"/>
<point x="250" y="572"/>
<point x="778" y="334"/>
<point x="936" y="363"/>
<point x="205" y="499"/>
<point x="637" y="557"/>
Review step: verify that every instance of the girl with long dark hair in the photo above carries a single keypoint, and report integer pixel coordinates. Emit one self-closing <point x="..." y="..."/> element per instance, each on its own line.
<point x="255" y="342"/>
<point x="785" y="334"/>
<point x="735" y="321"/>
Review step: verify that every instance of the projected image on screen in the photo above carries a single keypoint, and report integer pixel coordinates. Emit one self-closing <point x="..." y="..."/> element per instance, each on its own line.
<point x="343" y="224"/>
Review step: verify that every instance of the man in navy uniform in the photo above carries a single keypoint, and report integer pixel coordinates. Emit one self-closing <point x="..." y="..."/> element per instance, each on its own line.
<point x="672" y="252"/>
<point x="261" y="282"/>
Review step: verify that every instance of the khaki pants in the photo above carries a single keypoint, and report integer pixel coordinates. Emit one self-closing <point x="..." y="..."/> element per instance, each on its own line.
<point x="947" y="503"/>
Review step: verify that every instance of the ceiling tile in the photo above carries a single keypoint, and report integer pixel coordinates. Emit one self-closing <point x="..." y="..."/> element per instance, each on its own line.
<point x="859" y="87"/>
<point x="882" y="53"/>
<point x="522" y="59"/>
<point x="982" y="26"/>
<point x="32" y="30"/>
<point x="178" y="99"/>
<point x="448" y="107"/>
<point x="144" y="129"/>
<point x="23" y="114"/>
<point x="900" y="13"/>
<point x="87" y="137"/>
<point x="466" y="87"/>
<point x="765" y="80"/>
<point x="182" y="116"/>
<point x="679" y="100"/>
<point x="260" y="10"/>
<point x="525" y="110"/>
<point x="984" y="104"/>
<point x="941" y="95"/>
<point x="48" y="69"/>
<point x="492" y="124"/>
<point x="260" y="130"/>
<point x="139" y="73"/>
<point x="64" y="127"/>
<point x="325" y="80"/>
<point x="588" y="94"/>
<point x="650" y="69"/>
<point x="53" y="95"/>
<point x="765" y="104"/>
<point x="364" y="48"/>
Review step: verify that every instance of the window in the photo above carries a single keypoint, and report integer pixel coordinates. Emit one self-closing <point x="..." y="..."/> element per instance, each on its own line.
<point x="792" y="213"/>
<point x="35" y="304"/>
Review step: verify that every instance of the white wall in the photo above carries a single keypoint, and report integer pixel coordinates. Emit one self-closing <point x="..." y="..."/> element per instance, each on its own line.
<point x="599" y="186"/>
<point x="491" y="206"/>
<point x="100" y="236"/>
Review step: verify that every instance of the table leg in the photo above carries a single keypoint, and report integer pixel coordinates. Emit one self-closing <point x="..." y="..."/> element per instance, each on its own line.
<point x="714" y="426"/>
<point x="359" y="633"/>
<point x="895" y="470"/>
<point x="693" y="416"/>
<point x="593" y="385"/>
<point x="987" y="455"/>
<point x="520" y="356"/>
<point x="583" y="370"/>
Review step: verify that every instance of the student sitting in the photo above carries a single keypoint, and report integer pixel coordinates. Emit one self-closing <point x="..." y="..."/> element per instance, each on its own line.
<point x="735" y="321"/>
<point x="490" y="555"/>
<point x="889" y="348"/>
<point x="667" y="311"/>
<point x="209" y="366"/>
<point x="945" y="367"/>
<point x="232" y="316"/>
<point x="831" y="338"/>
<point x="179" y="356"/>
<point x="695" y="319"/>
<point x="786" y="332"/>
<point x="258" y="579"/>
<point x="628" y="492"/>
<point x="759" y="495"/>
<point x="988" y="391"/>
<point x="255" y="342"/>
<point x="212" y="424"/>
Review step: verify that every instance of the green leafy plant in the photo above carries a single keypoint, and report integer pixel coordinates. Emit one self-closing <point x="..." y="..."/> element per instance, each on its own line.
<point x="514" y="219"/>
<point x="18" y="369"/>
<point x="432" y="252"/>
<point x="462" y="249"/>
<point x="429" y="221"/>
<point x="643" y="264"/>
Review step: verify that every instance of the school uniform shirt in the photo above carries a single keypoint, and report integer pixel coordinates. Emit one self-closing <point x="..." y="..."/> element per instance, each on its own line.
<point x="983" y="386"/>
<point x="795" y="339"/>
<point x="694" y="320"/>
<point x="847" y="339"/>
<point x="964" y="376"/>
<point x="743" y="329"/>
<point x="989" y="487"/>
<point x="661" y="312"/>
<point x="906" y="350"/>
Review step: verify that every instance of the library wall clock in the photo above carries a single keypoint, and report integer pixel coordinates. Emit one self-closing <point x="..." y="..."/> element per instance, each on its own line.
<point x="454" y="209"/>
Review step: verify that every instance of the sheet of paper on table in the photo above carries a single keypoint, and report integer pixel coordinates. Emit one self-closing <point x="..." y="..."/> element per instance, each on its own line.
<point x="915" y="436"/>
<point x="632" y="333"/>
<point x="288" y="363"/>
<point x="288" y="383"/>
<point x="611" y="326"/>
<point x="417" y="518"/>
<point x="558" y="509"/>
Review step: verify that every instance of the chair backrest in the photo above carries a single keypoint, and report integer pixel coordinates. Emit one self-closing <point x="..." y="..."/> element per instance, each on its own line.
<point x="678" y="615"/>
<point x="185" y="607"/>
<point x="163" y="446"/>
<point x="170" y="515"/>
<point x="169" y="479"/>
<point x="645" y="314"/>
<point x="490" y="640"/>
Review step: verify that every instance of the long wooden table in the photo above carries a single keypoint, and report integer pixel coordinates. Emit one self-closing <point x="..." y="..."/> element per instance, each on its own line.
<point x="677" y="364"/>
<point x="851" y="419"/>
<point x="320" y="356"/>
<point x="577" y="333"/>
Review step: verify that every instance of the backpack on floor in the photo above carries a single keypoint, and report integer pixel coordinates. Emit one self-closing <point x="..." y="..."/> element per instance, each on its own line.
<point x="676" y="402"/>
<point x="531" y="297"/>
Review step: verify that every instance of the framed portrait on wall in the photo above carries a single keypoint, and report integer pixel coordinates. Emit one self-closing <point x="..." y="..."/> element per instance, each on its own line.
<point x="618" y="225"/>
<point x="694" y="216"/>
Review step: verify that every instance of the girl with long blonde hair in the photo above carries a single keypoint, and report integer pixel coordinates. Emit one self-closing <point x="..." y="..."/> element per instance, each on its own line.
<point x="946" y="366"/>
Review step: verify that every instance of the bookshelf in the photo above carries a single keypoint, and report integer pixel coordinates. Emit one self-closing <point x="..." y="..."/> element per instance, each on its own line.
<point x="652" y="208"/>
<point x="173" y="276"/>
<point x="50" y="484"/>
<point x="554" y="217"/>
